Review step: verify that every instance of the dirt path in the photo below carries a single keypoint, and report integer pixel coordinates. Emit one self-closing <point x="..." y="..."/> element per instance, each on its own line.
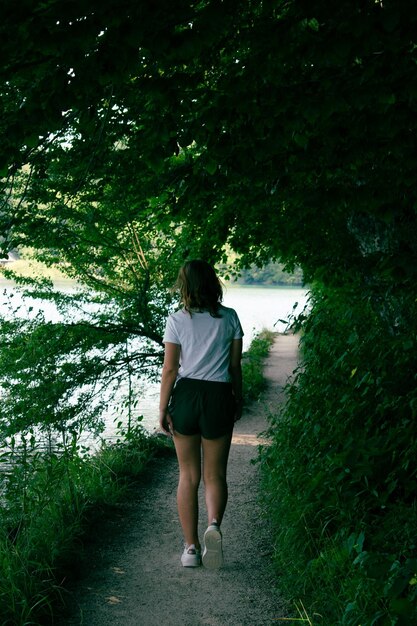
<point x="135" y="577"/>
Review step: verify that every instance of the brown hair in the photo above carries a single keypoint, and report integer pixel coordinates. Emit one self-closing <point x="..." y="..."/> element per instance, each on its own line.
<point x="199" y="287"/>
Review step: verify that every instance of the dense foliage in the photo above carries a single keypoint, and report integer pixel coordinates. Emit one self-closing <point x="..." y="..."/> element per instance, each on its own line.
<point x="137" y="134"/>
<point x="179" y="128"/>
<point x="162" y="107"/>
<point x="340" y="476"/>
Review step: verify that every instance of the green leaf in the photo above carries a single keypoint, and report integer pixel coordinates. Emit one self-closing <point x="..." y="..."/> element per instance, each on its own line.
<point x="211" y="166"/>
<point x="313" y="24"/>
<point x="389" y="99"/>
<point x="300" y="140"/>
<point x="401" y="607"/>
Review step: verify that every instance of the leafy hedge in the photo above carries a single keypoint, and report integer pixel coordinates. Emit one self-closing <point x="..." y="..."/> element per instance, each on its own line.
<point x="340" y="475"/>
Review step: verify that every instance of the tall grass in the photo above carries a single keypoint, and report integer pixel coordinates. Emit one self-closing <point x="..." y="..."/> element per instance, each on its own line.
<point x="46" y="510"/>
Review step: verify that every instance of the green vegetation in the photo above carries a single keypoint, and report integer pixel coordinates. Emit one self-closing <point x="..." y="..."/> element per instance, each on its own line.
<point x="281" y="131"/>
<point x="340" y="474"/>
<point x="270" y="274"/>
<point x="49" y="500"/>
<point x="252" y="365"/>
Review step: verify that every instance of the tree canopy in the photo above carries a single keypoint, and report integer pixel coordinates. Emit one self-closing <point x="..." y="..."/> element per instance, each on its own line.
<point x="285" y="129"/>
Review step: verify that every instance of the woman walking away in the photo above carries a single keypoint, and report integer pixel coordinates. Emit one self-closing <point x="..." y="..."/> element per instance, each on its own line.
<point x="200" y="400"/>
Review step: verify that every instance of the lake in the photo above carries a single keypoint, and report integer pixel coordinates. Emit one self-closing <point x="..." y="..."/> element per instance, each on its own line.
<point x="258" y="307"/>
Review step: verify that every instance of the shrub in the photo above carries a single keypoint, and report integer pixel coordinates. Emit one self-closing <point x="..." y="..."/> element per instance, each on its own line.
<point x="340" y="475"/>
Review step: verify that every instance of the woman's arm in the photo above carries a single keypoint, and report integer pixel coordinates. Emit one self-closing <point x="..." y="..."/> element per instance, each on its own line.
<point x="235" y="369"/>
<point x="169" y="375"/>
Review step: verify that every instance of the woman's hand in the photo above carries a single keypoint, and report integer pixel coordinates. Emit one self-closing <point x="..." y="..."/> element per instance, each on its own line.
<point x="238" y="409"/>
<point x="165" y="422"/>
<point x="235" y="369"/>
<point x="169" y="375"/>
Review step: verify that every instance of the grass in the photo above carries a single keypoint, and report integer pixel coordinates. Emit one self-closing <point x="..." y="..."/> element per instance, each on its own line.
<point x="42" y="526"/>
<point x="252" y="365"/>
<point x="303" y="619"/>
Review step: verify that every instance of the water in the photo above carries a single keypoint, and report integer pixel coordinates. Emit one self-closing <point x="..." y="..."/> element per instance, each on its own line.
<point x="258" y="307"/>
<point x="263" y="307"/>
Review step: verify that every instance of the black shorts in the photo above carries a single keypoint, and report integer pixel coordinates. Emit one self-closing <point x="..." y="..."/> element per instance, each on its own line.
<point x="202" y="407"/>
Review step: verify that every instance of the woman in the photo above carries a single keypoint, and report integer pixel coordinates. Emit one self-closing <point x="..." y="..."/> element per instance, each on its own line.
<point x="200" y="399"/>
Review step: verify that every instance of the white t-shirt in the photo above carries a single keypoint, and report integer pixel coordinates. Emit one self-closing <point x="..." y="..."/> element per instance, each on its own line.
<point x="205" y="342"/>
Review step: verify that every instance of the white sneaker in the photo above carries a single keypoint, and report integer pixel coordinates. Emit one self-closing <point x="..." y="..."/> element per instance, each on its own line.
<point x="213" y="550"/>
<point x="191" y="557"/>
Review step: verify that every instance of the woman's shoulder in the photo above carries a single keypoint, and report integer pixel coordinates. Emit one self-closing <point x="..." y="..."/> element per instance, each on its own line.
<point x="226" y="310"/>
<point x="179" y="314"/>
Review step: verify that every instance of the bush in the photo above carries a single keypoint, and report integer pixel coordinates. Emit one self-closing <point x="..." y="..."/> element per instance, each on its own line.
<point x="340" y="474"/>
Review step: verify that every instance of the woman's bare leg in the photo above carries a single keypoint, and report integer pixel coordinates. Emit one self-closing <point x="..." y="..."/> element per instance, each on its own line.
<point x="215" y="456"/>
<point x="188" y="448"/>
